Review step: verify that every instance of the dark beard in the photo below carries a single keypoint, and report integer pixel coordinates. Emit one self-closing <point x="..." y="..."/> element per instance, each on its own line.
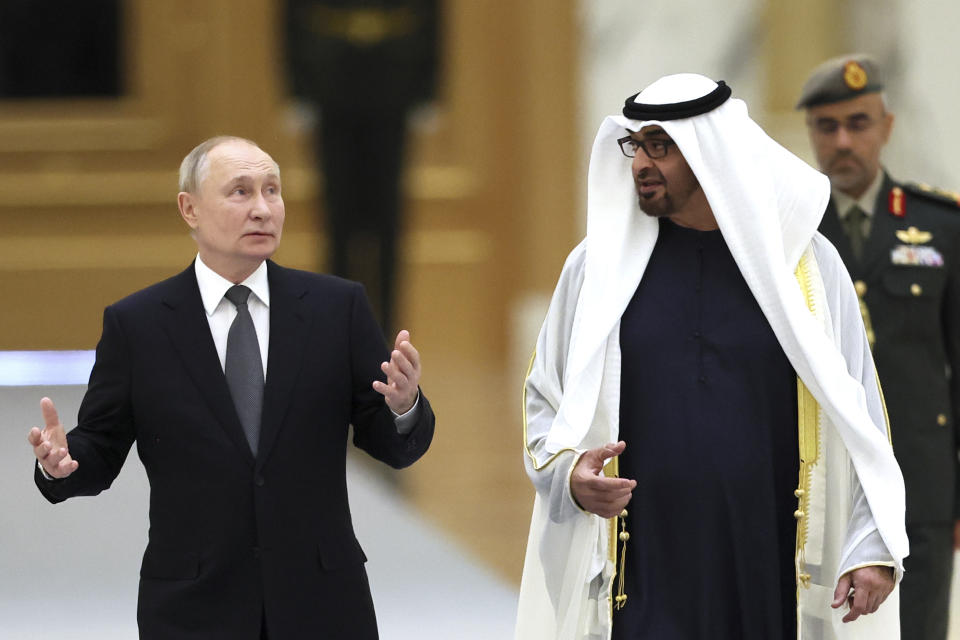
<point x="658" y="208"/>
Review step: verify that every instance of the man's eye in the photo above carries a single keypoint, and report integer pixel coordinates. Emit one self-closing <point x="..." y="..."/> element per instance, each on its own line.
<point x="656" y="145"/>
<point x="827" y="126"/>
<point x="858" y="124"/>
<point x="634" y="144"/>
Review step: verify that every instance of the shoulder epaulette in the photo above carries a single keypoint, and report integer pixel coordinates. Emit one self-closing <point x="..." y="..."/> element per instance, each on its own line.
<point x="933" y="193"/>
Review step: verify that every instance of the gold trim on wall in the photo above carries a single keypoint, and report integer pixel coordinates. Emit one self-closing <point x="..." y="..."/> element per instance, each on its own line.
<point x="174" y="251"/>
<point x="75" y="188"/>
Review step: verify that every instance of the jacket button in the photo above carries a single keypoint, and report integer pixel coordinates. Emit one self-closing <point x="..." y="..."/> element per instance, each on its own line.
<point x="259" y="481"/>
<point x="942" y="420"/>
<point x="916" y="289"/>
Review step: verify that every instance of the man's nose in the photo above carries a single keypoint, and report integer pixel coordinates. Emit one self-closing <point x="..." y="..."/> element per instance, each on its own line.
<point x="843" y="138"/>
<point x="259" y="208"/>
<point x="641" y="161"/>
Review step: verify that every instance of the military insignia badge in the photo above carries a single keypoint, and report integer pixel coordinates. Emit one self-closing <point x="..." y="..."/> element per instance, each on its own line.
<point x="916" y="256"/>
<point x="914" y="236"/>
<point x="896" y="202"/>
<point x="854" y="75"/>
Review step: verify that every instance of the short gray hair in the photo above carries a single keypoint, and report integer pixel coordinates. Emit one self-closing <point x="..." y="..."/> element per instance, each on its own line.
<point x="195" y="165"/>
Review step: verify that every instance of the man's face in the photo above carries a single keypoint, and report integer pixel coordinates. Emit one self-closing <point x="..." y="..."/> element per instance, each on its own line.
<point x="237" y="213"/>
<point x="664" y="185"/>
<point x="847" y="138"/>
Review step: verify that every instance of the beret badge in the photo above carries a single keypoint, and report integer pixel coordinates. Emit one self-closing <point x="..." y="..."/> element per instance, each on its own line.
<point x="854" y="75"/>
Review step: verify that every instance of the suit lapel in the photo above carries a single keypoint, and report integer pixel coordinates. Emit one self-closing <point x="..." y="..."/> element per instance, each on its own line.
<point x="288" y="334"/>
<point x="186" y="324"/>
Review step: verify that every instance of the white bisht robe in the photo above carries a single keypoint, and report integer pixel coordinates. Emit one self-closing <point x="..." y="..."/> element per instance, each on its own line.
<point x="851" y="512"/>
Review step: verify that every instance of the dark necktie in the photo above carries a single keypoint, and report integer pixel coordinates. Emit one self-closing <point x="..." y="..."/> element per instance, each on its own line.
<point x="243" y="367"/>
<point x="853" y="225"/>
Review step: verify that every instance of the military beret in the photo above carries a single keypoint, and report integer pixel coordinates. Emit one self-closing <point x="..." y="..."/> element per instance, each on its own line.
<point x="841" y="78"/>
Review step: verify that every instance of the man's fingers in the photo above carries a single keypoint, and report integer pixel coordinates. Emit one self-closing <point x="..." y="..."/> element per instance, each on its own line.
<point x="64" y="468"/>
<point x="50" y="416"/>
<point x="403" y="364"/>
<point x="871" y="586"/>
<point x="55" y="456"/>
<point x="42" y="450"/>
<point x="858" y="605"/>
<point x="842" y="591"/>
<point x="34" y="437"/>
<point x="402" y="336"/>
<point x="67" y="466"/>
<point x="410" y="353"/>
<point x="603" y="484"/>
<point x="394" y="374"/>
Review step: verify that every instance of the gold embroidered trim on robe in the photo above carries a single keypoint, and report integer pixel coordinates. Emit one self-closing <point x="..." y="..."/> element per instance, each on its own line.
<point x="808" y="434"/>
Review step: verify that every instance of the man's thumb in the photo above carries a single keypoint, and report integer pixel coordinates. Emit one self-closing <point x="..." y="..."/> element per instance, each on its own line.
<point x="612" y="449"/>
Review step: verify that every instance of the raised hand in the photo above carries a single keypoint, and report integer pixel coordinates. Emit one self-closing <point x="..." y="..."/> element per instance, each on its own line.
<point x="403" y="375"/>
<point x="50" y="443"/>
<point x="595" y="492"/>
<point x="870" y="586"/>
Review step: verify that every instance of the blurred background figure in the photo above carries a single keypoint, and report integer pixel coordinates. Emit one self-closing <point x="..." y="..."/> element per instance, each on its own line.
<point x="901" y="244"/>
<point x="363" y="65"/>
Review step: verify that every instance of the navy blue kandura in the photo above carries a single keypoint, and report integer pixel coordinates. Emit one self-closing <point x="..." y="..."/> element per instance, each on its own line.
<point x="708" y="409"/>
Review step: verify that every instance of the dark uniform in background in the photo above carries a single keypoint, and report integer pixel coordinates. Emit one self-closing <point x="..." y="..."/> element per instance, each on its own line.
<point x="364" y="64"/>
<point x="907" y="274"/>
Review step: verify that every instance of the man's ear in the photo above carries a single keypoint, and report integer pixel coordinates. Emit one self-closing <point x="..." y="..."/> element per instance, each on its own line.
<point x="188" y="210"/>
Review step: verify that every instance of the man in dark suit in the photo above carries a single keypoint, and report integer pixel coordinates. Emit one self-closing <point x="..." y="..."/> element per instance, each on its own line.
<point x="901" y="244"/>
<point x="240" y="404"/>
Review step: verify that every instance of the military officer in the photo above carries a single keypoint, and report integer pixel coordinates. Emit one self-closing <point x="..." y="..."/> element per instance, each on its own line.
<point x="901" y="244"/>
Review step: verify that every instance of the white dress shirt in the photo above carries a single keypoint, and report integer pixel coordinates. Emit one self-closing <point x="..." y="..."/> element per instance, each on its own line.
<point x="221" y="312"/>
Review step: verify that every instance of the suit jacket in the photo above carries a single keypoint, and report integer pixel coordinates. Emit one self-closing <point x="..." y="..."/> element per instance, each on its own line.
<point x="233" y="537"/>
<point x="915" y="313"/>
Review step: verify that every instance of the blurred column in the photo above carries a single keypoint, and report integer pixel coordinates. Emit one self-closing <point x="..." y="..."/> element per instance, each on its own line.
<point x="797" y="37"/>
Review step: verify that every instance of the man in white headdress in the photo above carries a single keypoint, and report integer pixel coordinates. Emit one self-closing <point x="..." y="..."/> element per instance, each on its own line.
<point x="704" y="356"/>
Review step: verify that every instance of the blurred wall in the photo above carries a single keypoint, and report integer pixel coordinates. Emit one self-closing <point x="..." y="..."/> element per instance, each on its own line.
<point x="765" y="48"/>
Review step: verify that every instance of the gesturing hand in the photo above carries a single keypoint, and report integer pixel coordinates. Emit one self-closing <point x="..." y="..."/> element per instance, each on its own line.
<point x="403" y="375"/>
<point x="595" y="492"/>
<point x="871" y="585"/>
<point x="50" y="444"/>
